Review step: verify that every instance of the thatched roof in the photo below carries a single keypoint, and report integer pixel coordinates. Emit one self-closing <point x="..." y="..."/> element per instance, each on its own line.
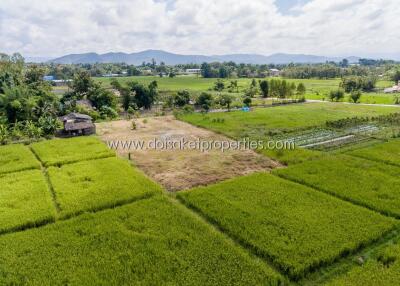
<point x="75" y="115"/>
<point x="71" y="126"/>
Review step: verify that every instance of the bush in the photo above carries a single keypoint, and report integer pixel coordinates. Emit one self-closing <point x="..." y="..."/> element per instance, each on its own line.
<point x="336" y="95"/>
<point x="247" y="101"/>
<point x="4" y="134"/>
<point x="355" y="96"/>
<point x="204" y="101"/>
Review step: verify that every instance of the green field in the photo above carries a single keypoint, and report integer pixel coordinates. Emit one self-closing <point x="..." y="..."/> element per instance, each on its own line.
<point x="364" y="182"/>
<point x="99" y="184"/>
<point x="266" y="122"/>
<point x="316" y="88"/>
<point x="382" y="269"/>
<point x="276" y="122"/>
<point x="58" y="152"/>
<point x="149" y="242"/>
<point x="298" y="229"/>
<point x="388" y="153"/>
<point x="17" y="158"/>
<point x="25" y="201"/>
<point x="86" y="217"/>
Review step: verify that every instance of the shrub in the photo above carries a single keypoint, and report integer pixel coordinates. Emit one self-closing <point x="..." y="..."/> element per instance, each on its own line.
<point x="336" y="95"/>
<point x="355" y="96"/>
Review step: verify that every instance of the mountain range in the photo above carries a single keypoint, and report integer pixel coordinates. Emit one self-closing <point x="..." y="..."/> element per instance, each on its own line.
<point x="173" y="59"/>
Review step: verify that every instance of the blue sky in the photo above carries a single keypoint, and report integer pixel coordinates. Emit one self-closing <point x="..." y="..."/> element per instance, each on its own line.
<point x="286" y="6"/>
<point x="320" y="27"/>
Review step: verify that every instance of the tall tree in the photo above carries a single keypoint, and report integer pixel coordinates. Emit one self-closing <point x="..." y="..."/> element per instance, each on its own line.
<point x="264" y="87"/>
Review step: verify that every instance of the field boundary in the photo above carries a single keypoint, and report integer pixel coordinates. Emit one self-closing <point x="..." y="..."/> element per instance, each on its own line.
<point x="75" y="215"/>
<point x="345" y="253"/>
<point x="48" y="182"/>
<point x="198" y="215"/>
<point x="348" y="153"/>
<point x="340" y="197"/>
<point x="253" y="251"/>
<point x="57" y="207"/>
<point x="343" y="265"/>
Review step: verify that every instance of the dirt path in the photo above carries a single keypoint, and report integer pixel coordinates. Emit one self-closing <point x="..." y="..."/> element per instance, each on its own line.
<point x="366" y="104"/>
<point x="182" y="169"/>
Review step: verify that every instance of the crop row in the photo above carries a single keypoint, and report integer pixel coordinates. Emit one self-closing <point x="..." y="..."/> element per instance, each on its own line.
<point x="382" y="269"/>
<point x="93" y="185"/>
<point x="368" y="183"/>
<point x="387" y="152"/>
<point x="148" y="242"/>
<point x="26" y="200"/>
<point x="58" y="152"/>
<point x="296" y="228"/>
<point x="15" y="158"/>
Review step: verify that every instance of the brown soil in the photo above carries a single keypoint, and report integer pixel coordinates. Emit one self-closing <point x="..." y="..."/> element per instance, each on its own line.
<point x="182" y="169"/>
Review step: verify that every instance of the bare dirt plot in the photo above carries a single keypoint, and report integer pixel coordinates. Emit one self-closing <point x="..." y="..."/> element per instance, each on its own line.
<point x="182" y="169"/>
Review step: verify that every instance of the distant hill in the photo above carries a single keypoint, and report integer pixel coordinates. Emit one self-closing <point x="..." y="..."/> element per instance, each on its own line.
<point x="173" y="59"/>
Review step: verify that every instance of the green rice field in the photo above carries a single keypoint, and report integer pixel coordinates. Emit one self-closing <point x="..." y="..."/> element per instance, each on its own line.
<point x="295" y="227"/>
<point x="99" y="184"/>
<point x="388" y="152"/>
<point x="64" y="151"/>
<point x="364" y="182"/>
<point x="17" y="158"/>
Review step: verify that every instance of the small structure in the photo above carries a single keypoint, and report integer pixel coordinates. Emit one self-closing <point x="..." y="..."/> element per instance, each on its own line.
<point x="61" y="82"/>
<point x="274" y="72"/>
<point x="76" y="124"/>
<point x="393" y="89"/>
<point x="193" y="71"/>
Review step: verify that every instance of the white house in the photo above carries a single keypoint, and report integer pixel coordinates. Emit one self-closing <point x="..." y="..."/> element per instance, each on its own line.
<point x="394" y="89"/>
<point x="274" y="72"/>
<point x="193" y="71"/>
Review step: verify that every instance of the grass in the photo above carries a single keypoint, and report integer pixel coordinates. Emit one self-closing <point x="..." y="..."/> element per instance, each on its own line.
<point x="276" y="122"/>
<point x="149" y="242"/>
<point x="25" y="201"/>
<point x="17" y="158"/>
<point x="64" y="151"/>
<point x="383" y="269"/>
<point x="296" y="228"/>
<point x="98" y="184"/>
<point x="316" y="88"/>
<point x="292" y="156"/>
<point x="367" y="183"/>
<point x="266" y="122"/>
<point x="386" y="152"/>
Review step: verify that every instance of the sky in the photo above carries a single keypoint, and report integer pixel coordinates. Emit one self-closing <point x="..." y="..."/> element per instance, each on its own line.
<point x="367" y="28"/>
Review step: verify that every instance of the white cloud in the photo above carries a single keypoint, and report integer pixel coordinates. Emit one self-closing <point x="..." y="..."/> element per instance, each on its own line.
<point x="324" y="27"/>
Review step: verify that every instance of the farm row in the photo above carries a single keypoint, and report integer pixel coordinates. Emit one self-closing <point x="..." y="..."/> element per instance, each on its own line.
<point x="33" y="197"/>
